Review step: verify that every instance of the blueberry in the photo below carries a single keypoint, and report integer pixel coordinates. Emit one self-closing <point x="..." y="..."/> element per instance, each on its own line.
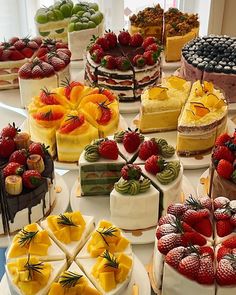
<point x="206" y="59"/>
<point x="213" y="62"/>
<point x="201" y="66"/>
<point x="222" y="63"/>
<point x="225" y="59"/>
<point x="209" y="68"/>
<point x="234" y="69"/>
<point x="218" y="68"/>
<point x="231" y="64"/>
<point x="195" y="63"/>
<point x="227" y="69"/>
<point x="199" y="59"/>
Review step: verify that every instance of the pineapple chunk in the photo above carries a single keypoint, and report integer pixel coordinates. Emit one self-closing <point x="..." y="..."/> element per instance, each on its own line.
<point x="77" y="218"/>
<point x="76" y="233"/>
<point x="177" y="82"/>
<point x="29" y="288"/>
<point x="16" y="250"/>
<point x="56" y="289"/>
<point x="107" y="281"/>
<point x="31" y="227"/>
<point x="63" y="235"/>
<point x="157" y="93"/>
<point x="90" y="291"/>
<point x="39" y="249"/>
<point x="52" y="223"/>
<point x="122" y="273"/>
<point x="125" y="259"/>
<point x="42" y="237"/>
<point x="104" y="223"/>
<point x="122" y="244"/>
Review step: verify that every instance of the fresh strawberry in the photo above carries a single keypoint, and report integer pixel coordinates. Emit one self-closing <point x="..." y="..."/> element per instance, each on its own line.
<point x="33" y="45"/>
<point x="69" y="86"/>
<point x="7" y="147"/>
<point x="206" y="202"/>
<point x="226" y="271"/>
<point x="147" y="149"/>
<point x="131" y="141"/>
<point x="205" y="273"/>
<point x="230" y="243"/>
<point x="48" y="70"/>
<point x="64" y="50"/>
<point x="174" y="256"/>
<point x="111" y="38"/>
<point x="97" y="55"/>
<point x="136" y="40"/>
<point x="168" y="218"/>
<point x="42" y="51"/>
<point x="13" y="40"/>
<point x="222" y="213"/>
<point x="152" y="47"/>
<point x="9" y="131"/>
<point x="19" y="44"/>
<point x="94" y="47"/>
<point x="38" y="40"/>
<point x="176" y="209"/>
<point x="60" y="44"/>
<point x="204" y="227"/>
<point x="19" y="156"/>
<point x="63" y="56"/>
<point x="37" y="72"/>
<point x="31" y="179"/>
<point x="220" y="202"/>
<point x="148" y="41"/>
<point x="13" y="169"/>
<point x="38" y="148"/>
<point x="72" y="122"/>
<point x="223" y="152"/>
<point x="131" y="171"/>
<point x="122" y="63"/>
<point x="233" y="219"/>
<point x="189" y="266"/>
<point x="108" y="62"/>
<point x="222" y="251"/>
<point x="224" y="169"/>
<point x="154" y="164"/>
<point x="106" y="113"/>
<point x="139" y="61"/>
<point x="47" y="97"/>
<point x="151" y="57"/>
<point x="165" y="229"/>
<point x="224" y="227"/>
<point x="169" y="242"/>
<point x="16" y="55"/>
<point x="57" y="63"/>
<point x="103" y="42"/>
<point x="124" y="37"/>
<point x="222" y="139"/>
<point x="108" y="149"/>
<point x="192" y="238"/>
<point x="25" y="71"/>
<point x="27" y="52"/>
<point x="5" y="54"/>
<point x="207" y="250"/>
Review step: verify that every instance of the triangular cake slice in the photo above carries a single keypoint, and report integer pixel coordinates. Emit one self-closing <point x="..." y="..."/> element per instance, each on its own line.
<point x="69" y="230"/>
<point x="33" y="240"/>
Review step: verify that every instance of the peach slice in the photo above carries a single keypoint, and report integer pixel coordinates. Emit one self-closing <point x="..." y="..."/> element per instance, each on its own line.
<point x="211" y="100"/>
<point x="95" y="98"/>
<point x="176" y="82"/>
<point x="208" y="86"/>
<point x="157" y="93"/>
<point x="201" y="111"/>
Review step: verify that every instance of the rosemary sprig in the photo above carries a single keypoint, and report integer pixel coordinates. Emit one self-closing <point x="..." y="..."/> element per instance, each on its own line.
<point x="107" y="232"/>
<point x="25" y="237"/>
<point x="64" y="220"/>
<point x="112" y="261"/>
<point x="69" y="279"/>
<point x="48" y="115"/>
<point x="33" y="267"/>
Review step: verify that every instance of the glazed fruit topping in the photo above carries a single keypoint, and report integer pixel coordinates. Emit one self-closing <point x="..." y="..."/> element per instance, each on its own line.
<point x="47" y="97"/>
<point x="106" y="113"/>
<point x="131" y="171"/>
<point x="71" y="123"/>
<point x="108" y="149"/>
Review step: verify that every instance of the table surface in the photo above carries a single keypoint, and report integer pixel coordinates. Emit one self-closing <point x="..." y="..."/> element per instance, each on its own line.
<point x="12" y="113"/>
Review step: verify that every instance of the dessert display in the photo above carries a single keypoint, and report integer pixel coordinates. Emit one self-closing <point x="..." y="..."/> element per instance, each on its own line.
<point x="202" y="120"/>
<point x="125" y="64"/>
<point x="69" y="230"/>
<point x="33" y="240"/>
<point x="14" y="53"/>
<point x="161" y="105"/>
<point x="27" y="177"/>
<point x="99" y="167"/>
<point x="75" y="23"/>
<point x="47" y="70"/>
<point x="68" y="118"/>
<point x="134" y="202"/>
<point x="211" y="58"/>
<point x="173" y="27"/>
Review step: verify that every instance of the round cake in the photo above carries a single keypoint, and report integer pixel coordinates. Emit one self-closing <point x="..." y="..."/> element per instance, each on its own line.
<point x="124" y="64"/>
<point x="187" y="257"/>
<point x="211" y="58"/>
<point x="27" y="180"/>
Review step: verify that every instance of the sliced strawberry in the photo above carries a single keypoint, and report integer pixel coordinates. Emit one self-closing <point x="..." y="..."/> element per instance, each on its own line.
<point x="224" y="227"/>
<point x="222" y="251"/>
<point x="230" y="243"/>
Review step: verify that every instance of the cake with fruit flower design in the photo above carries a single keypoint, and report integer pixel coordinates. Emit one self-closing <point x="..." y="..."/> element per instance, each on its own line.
<point x="202" y="120"/>
<point x="27" y="177"/>
<point x="99" y="167"/>
<point x="13" y="54"/>
<point x="124" y="64"/>
<point x="72" y="116"/>
<point x="134" y="202"/>
<point x="161" y="105"/>
<point x="211" y="58"/>
<point x="222" y="168"/>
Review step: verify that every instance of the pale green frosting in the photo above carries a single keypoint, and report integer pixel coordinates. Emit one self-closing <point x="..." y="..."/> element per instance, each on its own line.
<point x="144" y="185"/>
<point x="170" y="172"/>
<point x="118" y="136"/>
<point x="161" y="142"/>
<point x="122" y="186"/>
<point x="132" y="187"/>
<point x="167" y="151"/>
<point x="91" y="153"/>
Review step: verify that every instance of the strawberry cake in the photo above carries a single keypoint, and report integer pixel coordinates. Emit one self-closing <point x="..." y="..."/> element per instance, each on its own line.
<point x="27" y="177"/>
<point x="124" y="64"/>
<point x="68" y="118"/>
<point x="222" y="170"/>
<point x="13" y="54"/>
<point x="48" y="69"/>
<point x="186" y="256"/>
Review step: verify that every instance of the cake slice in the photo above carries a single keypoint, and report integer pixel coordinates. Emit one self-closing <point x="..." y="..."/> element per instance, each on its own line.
<point x="69" y="230"/>
<point x="110" y="273"/>
<point x="134" y="202"/>
<point x="73" y="281"/>
<point x="32" y="276"/>
<point x="72" y="137"/>
<point x="33" y="240"/>
<point x="106" y="236"/>
<point x="161" y="105"/>
<point x="99" y="167"/>
<point x="202" y="120"/>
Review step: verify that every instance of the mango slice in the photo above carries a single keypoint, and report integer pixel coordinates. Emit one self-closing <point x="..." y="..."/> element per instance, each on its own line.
<point x="177" y="82"/>
<point x="158" y="93"/>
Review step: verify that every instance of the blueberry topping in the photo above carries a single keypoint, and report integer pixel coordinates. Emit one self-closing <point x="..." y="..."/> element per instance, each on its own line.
<point x="218" y="68"/>
<point x="227" y="69"/>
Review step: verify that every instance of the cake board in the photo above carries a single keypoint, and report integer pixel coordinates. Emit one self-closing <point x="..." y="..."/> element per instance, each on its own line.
<point x="99" y="207"/>
<point x="139" y="278"/>
<point x="60" y="205"/>
<point x="152" y="279"/>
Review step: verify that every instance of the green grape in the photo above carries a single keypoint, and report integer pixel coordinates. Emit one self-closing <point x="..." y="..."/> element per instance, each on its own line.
<point x="97" y="17"/>
<point x="71" y="27"/>
<point x="59" y="15"/>
<point x="91" y="25"/>
<point x="80" y="13"/>
<point x="87" y="14"/>
<point x="79" y="26"/>
<point x="84" y="19"/>
<point x="51" y="16"/>
<point x="84" y="26"/>
<point x="92" y="11"/>
<point x="93" y="6"/>
<point x="66" y="10"/>
<point x="74" y="19"/>
<point x="41" y="18"/>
